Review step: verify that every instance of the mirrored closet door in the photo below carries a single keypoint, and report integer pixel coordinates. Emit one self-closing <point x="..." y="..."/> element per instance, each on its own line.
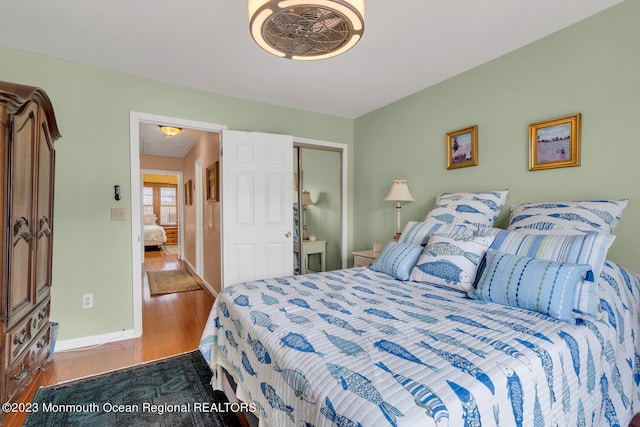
<point x="317" y="209"/>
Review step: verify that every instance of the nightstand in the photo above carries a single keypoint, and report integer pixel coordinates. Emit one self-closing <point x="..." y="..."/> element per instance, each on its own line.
<point x="172" y="235"/>
<point x="364" y="258"/>
<point x="309" y="248"/>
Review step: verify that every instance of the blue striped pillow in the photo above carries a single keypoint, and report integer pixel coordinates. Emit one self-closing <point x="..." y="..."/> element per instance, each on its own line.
<point x="588" y="249"/>
<point x="397" y="260"/>
<point x="535" y="284"/>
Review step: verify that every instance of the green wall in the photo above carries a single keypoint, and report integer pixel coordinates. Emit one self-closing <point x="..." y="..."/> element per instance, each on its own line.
<point x="592" y="67"/>
<point x="92" y="254"/>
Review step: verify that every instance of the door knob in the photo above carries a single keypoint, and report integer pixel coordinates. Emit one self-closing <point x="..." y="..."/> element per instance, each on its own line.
<point x="287" y="234"/>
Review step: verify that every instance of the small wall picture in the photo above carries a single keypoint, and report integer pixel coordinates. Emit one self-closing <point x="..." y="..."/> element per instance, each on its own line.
<point x="462" y="148"/>
<point x="213" y="186"/>
<point x="555" y="143"/>
<point x="188" y="193"/>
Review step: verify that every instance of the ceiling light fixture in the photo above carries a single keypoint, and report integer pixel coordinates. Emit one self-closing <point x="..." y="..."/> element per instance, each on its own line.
<point x="170" y="131"/>
<point x="306" y="29"/>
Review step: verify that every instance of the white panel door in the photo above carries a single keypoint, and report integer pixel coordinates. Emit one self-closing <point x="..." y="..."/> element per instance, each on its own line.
<point x="257" y="206"/>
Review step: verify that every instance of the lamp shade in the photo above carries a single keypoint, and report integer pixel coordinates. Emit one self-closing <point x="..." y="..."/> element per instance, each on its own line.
<point x="306" y="199"/>
<point x="306" y="29"/>
<point x="399" y="191"/>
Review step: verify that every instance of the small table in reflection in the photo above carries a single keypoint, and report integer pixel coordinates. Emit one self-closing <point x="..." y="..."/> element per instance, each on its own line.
<point x="310" y="248"/>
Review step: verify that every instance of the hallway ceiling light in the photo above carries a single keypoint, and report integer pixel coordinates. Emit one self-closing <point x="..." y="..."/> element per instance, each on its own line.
<point x="170" y="131"/>
<point x="306" y="29"/>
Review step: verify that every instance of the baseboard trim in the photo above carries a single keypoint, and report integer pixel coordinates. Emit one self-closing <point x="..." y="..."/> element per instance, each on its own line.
<point x="94" y="340"/>
<point x="204" y="282"/>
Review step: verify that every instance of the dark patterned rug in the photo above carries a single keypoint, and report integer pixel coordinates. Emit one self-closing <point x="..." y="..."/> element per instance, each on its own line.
<point x="168" y="392"/>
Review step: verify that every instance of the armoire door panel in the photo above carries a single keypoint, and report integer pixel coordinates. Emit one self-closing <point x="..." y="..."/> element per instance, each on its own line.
<point x="44" y="212"/>
<point x="21" y="297"/>
<point x="21" y="192"/>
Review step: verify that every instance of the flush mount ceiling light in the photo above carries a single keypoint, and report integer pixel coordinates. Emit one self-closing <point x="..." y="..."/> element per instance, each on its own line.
<point x="306" y="29"/>
<point x="170" y="131"/>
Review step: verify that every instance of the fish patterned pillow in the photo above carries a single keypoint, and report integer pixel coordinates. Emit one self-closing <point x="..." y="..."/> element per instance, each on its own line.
<point x="590" y="248"/>
<point x="451" y="260"/>
<point x="599" y="216"/>
<point x="397" y="259"/>
<point x="544" y="286"/>
<point x="418" y="233"/>
<point x="479" y="209"/>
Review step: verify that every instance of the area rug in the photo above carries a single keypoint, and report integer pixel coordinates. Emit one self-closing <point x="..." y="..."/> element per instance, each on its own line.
<point x="166" y="393"/>
<point x="170" y="281"/>
<point x="171" y="249"/>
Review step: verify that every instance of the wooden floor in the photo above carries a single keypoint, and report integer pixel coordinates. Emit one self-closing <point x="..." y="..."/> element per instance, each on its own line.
<point x="172" y="324"/>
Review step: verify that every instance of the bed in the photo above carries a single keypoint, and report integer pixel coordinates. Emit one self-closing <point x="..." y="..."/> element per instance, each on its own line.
<point x="360" y="347"/>
<point x="154" y="235"/>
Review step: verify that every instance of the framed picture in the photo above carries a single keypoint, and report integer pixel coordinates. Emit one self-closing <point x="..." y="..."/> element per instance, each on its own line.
<point x="555" y="143"/>
<point x="462" y="148"/>
<point x="213" y="182"/>
<point x="187" y="193"/>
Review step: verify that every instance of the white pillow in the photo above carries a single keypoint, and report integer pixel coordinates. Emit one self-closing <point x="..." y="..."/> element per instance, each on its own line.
<point x="480" y="209"/>
<point x="418" y="233"/>
<point x="599" y="216"/>
<point x="451" y="260"/>
<point x="150" y="219"/>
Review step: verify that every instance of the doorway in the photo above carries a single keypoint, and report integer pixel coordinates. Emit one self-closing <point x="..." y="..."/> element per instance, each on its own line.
<point x="137" y="119"/>
<point x="162" y="211"/>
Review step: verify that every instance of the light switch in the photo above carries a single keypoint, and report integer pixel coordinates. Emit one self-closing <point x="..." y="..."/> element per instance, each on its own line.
<point x="118" y="214"/>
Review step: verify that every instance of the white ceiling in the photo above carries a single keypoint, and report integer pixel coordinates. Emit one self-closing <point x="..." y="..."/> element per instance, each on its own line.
<point x="153" y="142"/>
<point x="408" y="45"/>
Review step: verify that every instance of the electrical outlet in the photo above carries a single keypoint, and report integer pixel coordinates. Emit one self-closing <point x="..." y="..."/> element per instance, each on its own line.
<point x="118" y="214"/>
<point x="87" y="300"/>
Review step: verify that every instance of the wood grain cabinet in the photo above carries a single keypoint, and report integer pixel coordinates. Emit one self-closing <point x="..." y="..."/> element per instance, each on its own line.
<point x="28" y="130"/>
<point x="172" y="235"/>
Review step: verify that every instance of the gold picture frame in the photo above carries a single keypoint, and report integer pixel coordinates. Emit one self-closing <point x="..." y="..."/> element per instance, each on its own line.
<point x="555" y="143"/>
<point x="188" y="193"/>
<point x="213" y="182"/>
<point x="462" y="148"/>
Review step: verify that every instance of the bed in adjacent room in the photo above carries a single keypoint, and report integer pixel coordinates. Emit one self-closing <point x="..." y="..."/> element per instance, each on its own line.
<point x="154" y="235"/>
<point x="456" y="324"/>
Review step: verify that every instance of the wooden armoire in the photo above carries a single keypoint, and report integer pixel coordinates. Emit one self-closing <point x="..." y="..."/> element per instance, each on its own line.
<point x="28" y="130"/>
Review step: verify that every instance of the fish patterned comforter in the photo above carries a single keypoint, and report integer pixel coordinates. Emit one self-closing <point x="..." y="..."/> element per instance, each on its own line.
<point x="358" y="348"/>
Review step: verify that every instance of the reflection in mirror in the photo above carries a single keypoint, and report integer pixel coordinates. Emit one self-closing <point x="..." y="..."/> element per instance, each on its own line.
<point x="318" y="172"/>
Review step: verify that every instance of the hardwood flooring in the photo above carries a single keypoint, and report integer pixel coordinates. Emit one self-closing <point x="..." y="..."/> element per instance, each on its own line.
<point x="172" y="324"/>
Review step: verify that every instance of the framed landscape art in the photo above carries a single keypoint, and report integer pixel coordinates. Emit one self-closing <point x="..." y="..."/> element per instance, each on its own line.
<point x="555" y="143"/>
<point x="462" y="148"/>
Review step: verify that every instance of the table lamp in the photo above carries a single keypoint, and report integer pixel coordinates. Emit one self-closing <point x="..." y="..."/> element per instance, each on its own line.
<point x="399" y="193"/>
<point x="306" y="201"/>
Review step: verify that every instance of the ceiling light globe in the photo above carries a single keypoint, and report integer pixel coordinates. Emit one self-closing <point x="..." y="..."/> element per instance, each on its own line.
<point x="170" y="131"/>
